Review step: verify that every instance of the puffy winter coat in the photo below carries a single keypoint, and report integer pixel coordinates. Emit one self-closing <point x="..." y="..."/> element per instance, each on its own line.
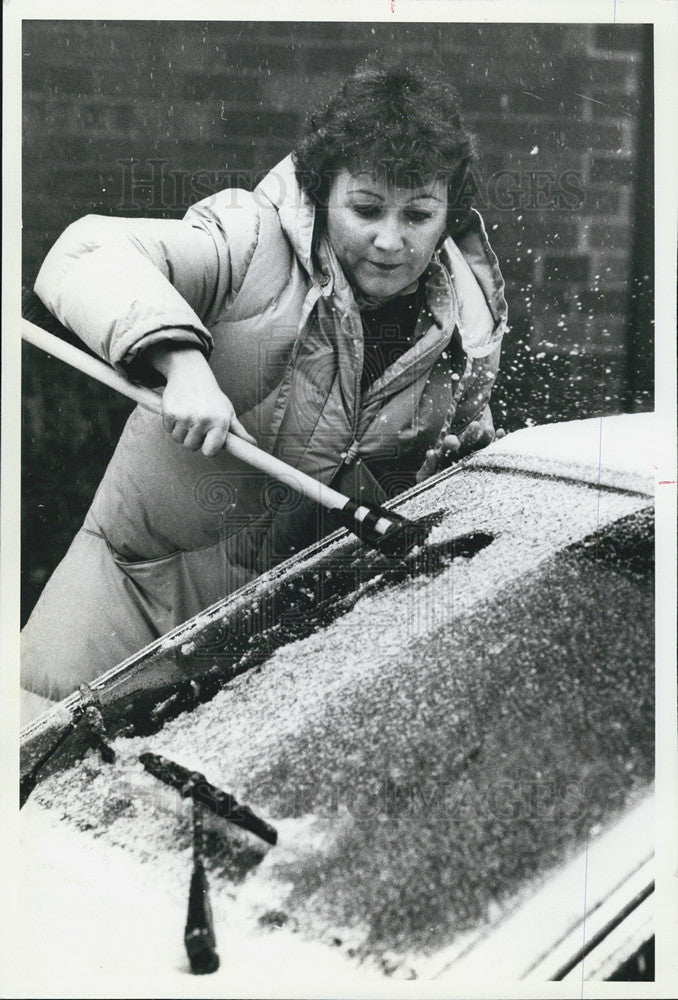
<point x="242" y="276"/>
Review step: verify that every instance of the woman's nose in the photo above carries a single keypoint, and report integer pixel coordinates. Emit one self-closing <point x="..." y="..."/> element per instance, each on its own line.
<point x="388" y="236"/>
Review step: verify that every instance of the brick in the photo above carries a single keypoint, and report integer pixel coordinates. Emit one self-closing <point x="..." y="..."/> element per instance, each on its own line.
<point x="611" y="270"/>
<point x="193" y="139"/>
<point x="501" y="134"/>
<point x="231" y="87"/>
<point x="535" y="45"/>
<point x="85" y="183"/>
<point x="642" y="286"/>
<point x="410" y="40"/>
<point x="505" y="229"/>
<point x="208" y="158"/>
<point x="602" y="71"/>
<point x="207" y="48"/>
<point x="93" y="118"/>
<point x="565" y="334"/>
<point x="557" y="231"/>
<point x="531" y="189"/>
<point x="465" y="38"/>
<point x="250" y="57"/>
<point x="43" y="217"/>
<point x="483" y="98"/>
<point x="417" y="36"/>
<point x="540" y="101"/>
<point x="262" y="57"/>
<point x="83" y="150"/>
<point x="200" y="184"/>
<point x="90" y="40"/>
<point x="563" y="300"/>
<point x="226" y="156"/>
<point x="568" y="329"/>
<point x="607" y="335"/>
<point x="291" y="92"/>
<point x="590" y="135"/>
<point x="488" y="163"/>
<point x="519" y="305"/>
<point x="143" y="77"/>
<point x="560" y="142"/>
<point x="149" y="183"/>
<point x="558" y="38"/>
<point x="274" y="125"/>
<point x="605" y="301"/>
<point x="612" y="170"/>
<point x="229" y="124"/>
<point x="619" y="37"/>
<point x="619" y="106"/>
<point x="319" y="31"/>
<point x="108" y="118"/>
<point x="549" y="93"/>
<point x="189" y="121"/>
<point x="162" y="184"/>
<point x="343" y="59"/>
<point x="563" y="269"/>
<point x="602" y="201"/>
<point x="532" y="233"/>
<point x="609" y="235"/>
<point x="518" y="269"/>
<point x="40" y="77"/>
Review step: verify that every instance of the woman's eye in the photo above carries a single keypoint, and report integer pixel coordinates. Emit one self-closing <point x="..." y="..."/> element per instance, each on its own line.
<point x="366" y="211"/>
<point x="415" y="216"/>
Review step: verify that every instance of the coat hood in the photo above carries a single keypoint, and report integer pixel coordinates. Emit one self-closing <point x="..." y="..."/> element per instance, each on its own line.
<point x="296" y="210"/>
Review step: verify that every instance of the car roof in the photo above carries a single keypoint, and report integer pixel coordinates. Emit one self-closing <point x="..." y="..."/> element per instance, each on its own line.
<point x="611" y="451"/>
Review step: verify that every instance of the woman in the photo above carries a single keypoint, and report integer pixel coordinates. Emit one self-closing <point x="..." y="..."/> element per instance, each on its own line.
<point x="346" y="316"/>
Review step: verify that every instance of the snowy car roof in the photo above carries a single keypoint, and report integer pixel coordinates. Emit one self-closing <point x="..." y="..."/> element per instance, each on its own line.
<point x="614" y="451"/>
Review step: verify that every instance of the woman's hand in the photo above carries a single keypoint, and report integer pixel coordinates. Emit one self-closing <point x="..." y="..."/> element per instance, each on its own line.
<point x="195" y="412"/>
<point x="476" y="435"/>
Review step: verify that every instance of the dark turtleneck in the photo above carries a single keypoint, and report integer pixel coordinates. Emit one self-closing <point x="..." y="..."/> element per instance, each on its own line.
<point x="388" y="332"/>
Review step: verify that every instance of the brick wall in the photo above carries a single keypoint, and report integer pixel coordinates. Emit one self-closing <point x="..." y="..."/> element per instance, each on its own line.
<point x="144" y="118"/>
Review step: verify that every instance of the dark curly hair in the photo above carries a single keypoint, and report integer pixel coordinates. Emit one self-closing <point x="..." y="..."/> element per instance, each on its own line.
<point x="395" y="121"/>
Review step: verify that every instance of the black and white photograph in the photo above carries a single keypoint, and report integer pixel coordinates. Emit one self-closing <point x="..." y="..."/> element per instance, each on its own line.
<point x="339" y="500"/>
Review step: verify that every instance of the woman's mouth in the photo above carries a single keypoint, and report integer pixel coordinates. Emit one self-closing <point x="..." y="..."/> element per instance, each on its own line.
<point x="384" y="267"/>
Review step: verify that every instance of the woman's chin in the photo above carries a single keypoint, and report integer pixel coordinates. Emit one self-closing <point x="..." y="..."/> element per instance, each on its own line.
<point x="378" y="287"/>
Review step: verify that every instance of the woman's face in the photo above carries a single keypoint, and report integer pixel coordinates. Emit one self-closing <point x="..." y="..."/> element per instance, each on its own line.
<point x="384" y="236"/>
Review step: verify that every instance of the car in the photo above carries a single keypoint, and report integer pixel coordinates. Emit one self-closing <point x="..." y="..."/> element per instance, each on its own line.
<point x="455" y="748"/>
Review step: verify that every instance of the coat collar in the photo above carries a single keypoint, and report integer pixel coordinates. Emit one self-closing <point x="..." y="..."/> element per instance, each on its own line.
<point x="475" y="275"/>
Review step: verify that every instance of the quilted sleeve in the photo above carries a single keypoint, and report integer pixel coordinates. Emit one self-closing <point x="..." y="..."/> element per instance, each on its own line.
<point x="124" y="284"/>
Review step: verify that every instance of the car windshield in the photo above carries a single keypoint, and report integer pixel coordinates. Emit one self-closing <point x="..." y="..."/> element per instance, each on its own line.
<point x="431" y="736"/>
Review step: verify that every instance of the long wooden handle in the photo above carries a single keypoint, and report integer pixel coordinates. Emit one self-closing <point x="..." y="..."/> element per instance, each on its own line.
<point x="146" y="397"/>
